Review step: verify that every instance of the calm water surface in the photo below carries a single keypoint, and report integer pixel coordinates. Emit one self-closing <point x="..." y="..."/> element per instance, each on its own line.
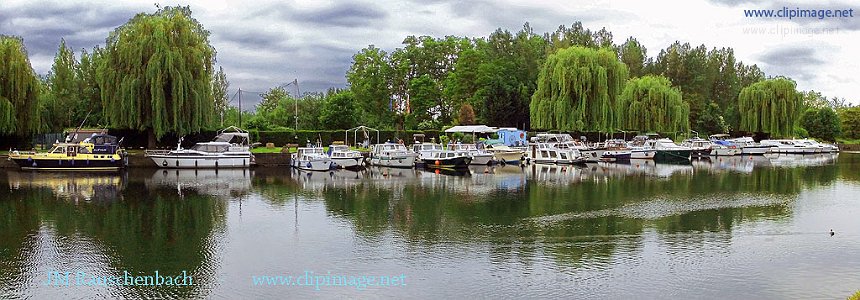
<point x="737" y="227"/>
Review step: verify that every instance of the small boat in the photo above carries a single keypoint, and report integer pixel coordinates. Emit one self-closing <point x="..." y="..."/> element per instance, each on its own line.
<point x="424" y="149"/>
<point x="479" y="156"/>
<point x="641" y="152"/>
<point x="789" y="147"/>
<point x="546" y="153"/>
<point x="504" y="154"/>
<point x="668" y="151"/>
<point x="446" y="159"/>
<point x="311" y="159"/>
<point x="342" y="157"/>
<point x="615" y="151"/>
<point x="725" y="148"/>
<point x="229" y="149"/>
<point x="750" y="147"/>
<point x="99" y="152"/>
<point x="392" y="155"/>
<point x="702" y="148"/>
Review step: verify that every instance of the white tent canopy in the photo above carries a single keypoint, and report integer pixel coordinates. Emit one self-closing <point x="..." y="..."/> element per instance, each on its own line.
<point x="472" y="129"/>
<point x="365" y="132"/>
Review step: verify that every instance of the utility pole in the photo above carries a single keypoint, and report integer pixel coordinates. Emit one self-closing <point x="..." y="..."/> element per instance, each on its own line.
<point x="240" y="107"/>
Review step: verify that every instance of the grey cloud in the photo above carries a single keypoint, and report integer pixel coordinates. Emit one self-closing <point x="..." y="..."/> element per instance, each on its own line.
<point x="792" y="61"/>
<point x="344" y="14"/>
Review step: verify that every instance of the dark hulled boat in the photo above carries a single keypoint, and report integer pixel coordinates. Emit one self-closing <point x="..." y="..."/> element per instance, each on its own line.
<point x="445" y="159"/>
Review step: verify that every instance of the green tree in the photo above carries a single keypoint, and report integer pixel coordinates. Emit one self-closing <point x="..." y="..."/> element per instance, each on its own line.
<point x="577" y="89"/>
<point x="88" y="88"/>
<point x="19" y="89"/>
<point x="368" y="80"/>
<point x="850" y="122"/>
<point x="634" y="55"/>
<point x="771" y="106"/>
<point x="821" y="123"/>
<point x="220" y="86"/>
<point x="422" y="103"/>
<point x="338" y="111"/>
<point x="156" y="74"/>
<point x="650" y="103"/>
<point x="65" y="103"/>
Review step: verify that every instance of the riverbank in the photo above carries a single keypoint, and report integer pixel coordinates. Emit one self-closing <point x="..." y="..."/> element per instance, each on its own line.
<point x="139" y="160"/>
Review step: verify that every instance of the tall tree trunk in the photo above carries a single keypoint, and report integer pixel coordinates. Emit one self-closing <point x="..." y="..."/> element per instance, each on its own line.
<point x="150" y="139"/>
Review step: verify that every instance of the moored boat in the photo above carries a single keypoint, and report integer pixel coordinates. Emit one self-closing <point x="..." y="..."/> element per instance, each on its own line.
<point x="310" y="159"/>
<point x="479" y="156"/>
<point x="342" y="157"/>
<point x="99" y="152"/>
<point x="446" y="159"/>
<point x="750" y="147"/>
<point x="504" y="154"/>
<point x="392" y="155"/>
<point x="616" y="151"/>
<point x="668" y="151"/>
<point x="701" y="148"/>
<point x="229" y="149"/>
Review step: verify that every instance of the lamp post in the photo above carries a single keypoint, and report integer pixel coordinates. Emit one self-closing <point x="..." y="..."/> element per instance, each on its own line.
<point x="295" y="82"/>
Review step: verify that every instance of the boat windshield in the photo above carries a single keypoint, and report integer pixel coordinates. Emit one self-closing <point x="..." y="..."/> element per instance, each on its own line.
<point x="210" y="148"/>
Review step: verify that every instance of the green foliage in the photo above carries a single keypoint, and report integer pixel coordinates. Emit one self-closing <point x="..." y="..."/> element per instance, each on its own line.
<point x="651" y="103"/>
<point x="368" y="79"/>
<point x="856" y="296"/>
<point x="156" y="73"/>
<point x="64" y="104"/>
<point x="424" y="96"/>
<point x="338" y="111"/>
<point x="771" y="106"/>
<point x="89" y="92"/>
<point x="850" y="122"/>
<point x="821" y="123"/>
<point x="19" y="89"/>
<point x="634" y="55"/>
<point x="577" y="90"/>
<point x="220" y="85"/>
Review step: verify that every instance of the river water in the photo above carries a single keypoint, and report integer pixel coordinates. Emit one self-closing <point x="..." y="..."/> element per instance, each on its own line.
<point x="735" y="228"/>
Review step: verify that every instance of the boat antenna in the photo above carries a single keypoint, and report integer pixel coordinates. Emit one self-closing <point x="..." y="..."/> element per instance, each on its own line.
<point x="79" y="127"/>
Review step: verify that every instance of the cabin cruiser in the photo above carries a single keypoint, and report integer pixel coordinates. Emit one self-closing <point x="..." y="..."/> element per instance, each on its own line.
<point x="615" y="151"/>
<point x="701" y="147"/>
<point x="820" y="148"/>
<point x="229" y="149"/>
<point x="638" y="150"/>
<point x="311" y="159"/>
<point x="750" y="147"/>
<point x="99" y="152"/>
<point x="479" y="156"/>
<point x="392" y="155"/>
<point x="446" y="159"/>
<point x="546" y="153"/>
<point x="790" y="147"/>
<point x="725" y="148"/>
<point x="425" y="149"/>
<point x="504" y="154"/>
<point x="667" y="150"/>
<point x="342" y="157"/>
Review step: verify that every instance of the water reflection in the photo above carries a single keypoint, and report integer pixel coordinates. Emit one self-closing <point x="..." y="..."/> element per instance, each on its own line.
<point x="103" y="224"/>
<point x="226" y="183"/>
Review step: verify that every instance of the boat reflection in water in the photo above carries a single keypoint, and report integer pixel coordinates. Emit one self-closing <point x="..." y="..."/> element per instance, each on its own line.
<point x="214" y="182"/>
<point x="74" y="186"/>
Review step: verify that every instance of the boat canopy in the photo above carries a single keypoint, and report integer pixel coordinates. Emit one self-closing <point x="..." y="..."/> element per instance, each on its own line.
<point x="472" y="129"/>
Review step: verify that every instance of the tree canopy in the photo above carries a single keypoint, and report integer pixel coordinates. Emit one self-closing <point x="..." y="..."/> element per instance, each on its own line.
<point x="156" y="74"/>
<point x="771" y="106"/>
<point x="650" y="103"/>
<point x="19" y="89"/>
<point x="577" y="89"/>
<point x="821" y="123"/>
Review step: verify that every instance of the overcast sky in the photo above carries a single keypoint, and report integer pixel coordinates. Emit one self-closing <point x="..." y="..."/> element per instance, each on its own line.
<point x="262" y="44"/>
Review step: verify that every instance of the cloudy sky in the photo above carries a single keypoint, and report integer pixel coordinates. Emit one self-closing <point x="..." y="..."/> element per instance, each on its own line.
<point x="266" y="43"/>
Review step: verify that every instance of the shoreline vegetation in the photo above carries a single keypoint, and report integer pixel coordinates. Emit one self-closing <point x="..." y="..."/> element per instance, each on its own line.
<point x="156" y="75"/>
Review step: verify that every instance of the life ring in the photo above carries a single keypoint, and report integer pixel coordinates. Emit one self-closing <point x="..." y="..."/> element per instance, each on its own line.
<point x="522" y="135"/>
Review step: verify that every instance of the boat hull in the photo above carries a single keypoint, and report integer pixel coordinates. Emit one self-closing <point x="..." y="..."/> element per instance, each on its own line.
<point x="201" y="161"/>
<point x="672" y="155"/>
<point x="615" y="156"/>
<point x="69" y="164"/>
<point x="643" y="154"/>
<point x="726" y="151"/>
<point x="509" y="157"/>
<point x="311" y="165"/>
<point x="347" y="163"/>
<point x="755" y="150"/>
<point x="483" y="159"/>
<point x="406" y="161"/>
<point x="447" y="163"/>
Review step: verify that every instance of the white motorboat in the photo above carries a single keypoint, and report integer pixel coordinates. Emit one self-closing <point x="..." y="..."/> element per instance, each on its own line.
<point x="546" y="153"/>
<point x="642" y="152"/>
<point x="701" y="147"/>
<point x="750" y="147"/>
<point x="425" y="149"/>
<point x="392" y="155"/>
<point x="230" y="149"/>
<point x="479" y="156"/>
<point x="344" y="158"/>
<point x="311" y="159"/>
<point x="790" y="147"/>
<point x="725" y="148"/>
<point x="615" y="151"/>
<point x="504" y="154"/>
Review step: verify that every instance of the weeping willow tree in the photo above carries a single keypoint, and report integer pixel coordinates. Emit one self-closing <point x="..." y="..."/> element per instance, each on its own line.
<point x="156" y="74"/>
<point x="19" y="89"/>
<point x="772" y="106"/>
<point x="577" y="89"/>
<point x="650" y="103"/>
